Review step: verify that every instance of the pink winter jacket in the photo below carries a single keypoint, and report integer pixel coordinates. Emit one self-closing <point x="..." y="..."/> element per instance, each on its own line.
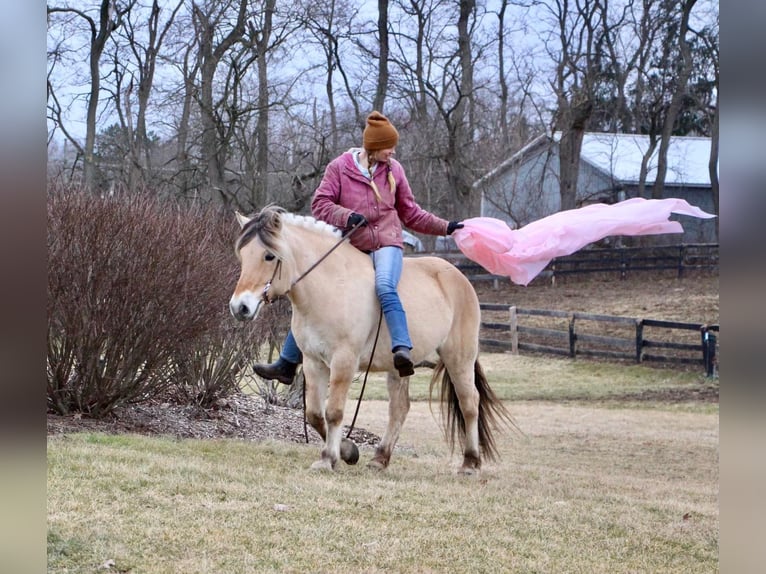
<point x="345" y="190"/>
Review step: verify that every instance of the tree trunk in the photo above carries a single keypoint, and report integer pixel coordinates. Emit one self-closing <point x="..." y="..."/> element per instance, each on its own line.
<point x="645" y="164"/>
<point x="713" y="165"/>
<point x="570" y="145"/>
<point x="462" y="123"/>
<point x="675" y="102"/>
<point x="182" y="154"/>
<point x="262" y="142"/>
<point x="98" y="41"/>
<point x="212" y="149"/>
<point x="501" y="71"/>
<point x="382" y="84"/>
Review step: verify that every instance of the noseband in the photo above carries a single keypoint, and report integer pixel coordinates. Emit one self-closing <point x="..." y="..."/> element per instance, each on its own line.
<point x="265" y="295"/>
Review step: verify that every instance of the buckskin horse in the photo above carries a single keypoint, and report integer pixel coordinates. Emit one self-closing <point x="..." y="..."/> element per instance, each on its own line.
<point x="335" y="321"/>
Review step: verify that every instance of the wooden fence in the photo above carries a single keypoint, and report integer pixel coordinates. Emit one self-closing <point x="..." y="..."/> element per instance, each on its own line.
<point x="622" y="338"/>
<point x="623" y="260"/>
<point x="620" y="260"/>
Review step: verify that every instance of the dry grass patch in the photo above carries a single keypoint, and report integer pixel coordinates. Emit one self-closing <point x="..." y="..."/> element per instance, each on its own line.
<point x="586" y="489"/>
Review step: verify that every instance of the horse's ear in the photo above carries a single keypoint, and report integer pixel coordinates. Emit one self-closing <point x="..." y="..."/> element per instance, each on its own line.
<point x="242" y="219"/>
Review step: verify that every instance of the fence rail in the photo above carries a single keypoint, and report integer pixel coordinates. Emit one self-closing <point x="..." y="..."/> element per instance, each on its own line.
<point x="622" y="338"/>
<point x="622" y="260"/>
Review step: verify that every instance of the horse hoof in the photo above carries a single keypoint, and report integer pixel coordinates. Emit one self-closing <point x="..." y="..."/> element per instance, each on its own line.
<point x="349" y="452"/>
<point x="468" y="471"/>
<point x="375" y="464"/>
<point x="322" y="465"/>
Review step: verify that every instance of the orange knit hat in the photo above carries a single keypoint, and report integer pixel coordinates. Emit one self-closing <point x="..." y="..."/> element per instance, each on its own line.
<point x="379" y="133"/>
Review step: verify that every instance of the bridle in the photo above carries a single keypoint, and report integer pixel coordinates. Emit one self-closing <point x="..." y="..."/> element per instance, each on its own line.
<point x="346" y="235"/>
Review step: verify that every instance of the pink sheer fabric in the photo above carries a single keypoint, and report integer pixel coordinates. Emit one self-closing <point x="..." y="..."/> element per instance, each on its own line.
<point x="522" y="253"/>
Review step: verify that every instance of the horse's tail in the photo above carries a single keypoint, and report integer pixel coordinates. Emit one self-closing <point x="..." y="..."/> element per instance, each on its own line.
<point x="492" y="412"/>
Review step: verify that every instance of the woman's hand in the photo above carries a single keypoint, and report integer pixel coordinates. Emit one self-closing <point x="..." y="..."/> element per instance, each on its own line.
<point x="453" y="225"/>
<point x="356" y="219"/>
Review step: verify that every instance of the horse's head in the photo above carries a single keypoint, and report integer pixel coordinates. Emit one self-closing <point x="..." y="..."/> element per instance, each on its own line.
<point x="261" y="252"/>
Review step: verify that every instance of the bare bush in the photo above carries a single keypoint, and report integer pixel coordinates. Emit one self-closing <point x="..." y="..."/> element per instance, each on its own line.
<point x="137" y="303"/>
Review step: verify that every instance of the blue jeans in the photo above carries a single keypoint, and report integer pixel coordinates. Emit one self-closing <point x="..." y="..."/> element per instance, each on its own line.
<point x="388" y="263"/>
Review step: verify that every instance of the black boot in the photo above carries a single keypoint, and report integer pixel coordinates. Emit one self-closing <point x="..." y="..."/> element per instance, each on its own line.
<point x="403" y="362"/>
<point x="281" y="370"/>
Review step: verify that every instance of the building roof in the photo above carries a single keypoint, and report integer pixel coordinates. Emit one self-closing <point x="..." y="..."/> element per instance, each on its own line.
<point x="619" y="156"/>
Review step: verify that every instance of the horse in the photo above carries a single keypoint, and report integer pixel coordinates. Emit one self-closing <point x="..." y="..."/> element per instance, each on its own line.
<point x="336" y="321"/>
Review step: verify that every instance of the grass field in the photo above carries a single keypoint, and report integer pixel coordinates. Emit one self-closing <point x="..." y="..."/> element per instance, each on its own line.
<point x="616" y="471"/>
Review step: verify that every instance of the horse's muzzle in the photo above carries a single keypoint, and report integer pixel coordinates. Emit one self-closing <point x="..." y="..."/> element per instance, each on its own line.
<point x="245" y="306"/>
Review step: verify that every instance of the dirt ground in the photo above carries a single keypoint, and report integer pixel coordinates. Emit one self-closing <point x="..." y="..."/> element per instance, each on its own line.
<point x="690" y="299"/>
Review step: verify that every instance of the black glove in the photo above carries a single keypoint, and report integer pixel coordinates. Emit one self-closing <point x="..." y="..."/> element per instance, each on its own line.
<point x="453" y="225"/>
<point x="356" y="218"/>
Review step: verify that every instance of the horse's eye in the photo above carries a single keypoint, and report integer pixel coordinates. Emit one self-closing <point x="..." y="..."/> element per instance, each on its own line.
<point x="269" y="257"/>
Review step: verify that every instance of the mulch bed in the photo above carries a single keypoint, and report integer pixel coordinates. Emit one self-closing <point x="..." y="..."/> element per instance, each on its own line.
<point x="240" y="416"/>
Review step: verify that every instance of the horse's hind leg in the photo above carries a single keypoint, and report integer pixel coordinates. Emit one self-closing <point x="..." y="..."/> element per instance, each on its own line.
<point x="461" y="373"/>
<point x="398" y="407"/>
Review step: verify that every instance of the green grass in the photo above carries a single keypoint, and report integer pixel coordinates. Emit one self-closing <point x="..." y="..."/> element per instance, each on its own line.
<point x="534" y="378"/>
<point x="594" y="484"/>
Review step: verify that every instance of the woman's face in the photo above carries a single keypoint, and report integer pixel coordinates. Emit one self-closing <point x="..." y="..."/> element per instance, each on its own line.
<point x="383" y="155"/>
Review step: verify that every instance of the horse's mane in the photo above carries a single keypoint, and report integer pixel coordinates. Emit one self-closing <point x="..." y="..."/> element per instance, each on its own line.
<point x="267" y="224"/>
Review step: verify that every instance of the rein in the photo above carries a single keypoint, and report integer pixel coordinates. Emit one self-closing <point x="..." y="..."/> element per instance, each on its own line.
<point x="364" y="383"/>
<point x="267" y="288"/>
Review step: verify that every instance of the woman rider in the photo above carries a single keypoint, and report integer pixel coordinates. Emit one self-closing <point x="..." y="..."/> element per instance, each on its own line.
<point x="367" y="187"/>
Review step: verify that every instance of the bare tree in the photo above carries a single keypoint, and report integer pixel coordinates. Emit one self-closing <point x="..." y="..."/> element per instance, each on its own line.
<point x="676" y="100"/>
<point x="709" y="37"/>
<point x="501" y="68"/>
<point x="330" y="24"/>
<point x="110" y="17"/>
<point x="144" y="42"/>
<point x="213" y="44"/>
<point x="411" y="58"/>
<point x="186" y="180"/>
<point x="438" y="83"/>
<point x="382" y="83"/>
<point x="651" y="86"/>
<point x="239" y="126"/>
<point x="261" y="39"/>
<point x="576" y="67"/>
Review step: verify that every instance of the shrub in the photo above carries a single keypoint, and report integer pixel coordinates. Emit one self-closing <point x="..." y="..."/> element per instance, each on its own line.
<point x="138" y="296"/>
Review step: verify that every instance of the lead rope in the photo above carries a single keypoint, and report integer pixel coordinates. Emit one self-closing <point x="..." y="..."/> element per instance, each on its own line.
<point x="367" y="372"/>
<point x="361" y="392"/>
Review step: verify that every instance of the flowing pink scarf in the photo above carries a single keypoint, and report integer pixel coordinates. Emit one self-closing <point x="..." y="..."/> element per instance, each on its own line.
<point x="522" y="253"/>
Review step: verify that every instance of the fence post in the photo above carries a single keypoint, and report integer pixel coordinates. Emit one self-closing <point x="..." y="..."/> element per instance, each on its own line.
<point x="708" y="351"/>
<point x="623" y="264"/>
<point x="681" y="250"/>
<point x="513" y="322"/>
<point x="572" y="338"/>
<point x="639" y="340"/>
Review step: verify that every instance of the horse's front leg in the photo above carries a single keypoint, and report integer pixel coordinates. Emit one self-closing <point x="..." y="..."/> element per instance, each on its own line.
<point x="316" y="376"/>
<point x="330" y="418"/>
